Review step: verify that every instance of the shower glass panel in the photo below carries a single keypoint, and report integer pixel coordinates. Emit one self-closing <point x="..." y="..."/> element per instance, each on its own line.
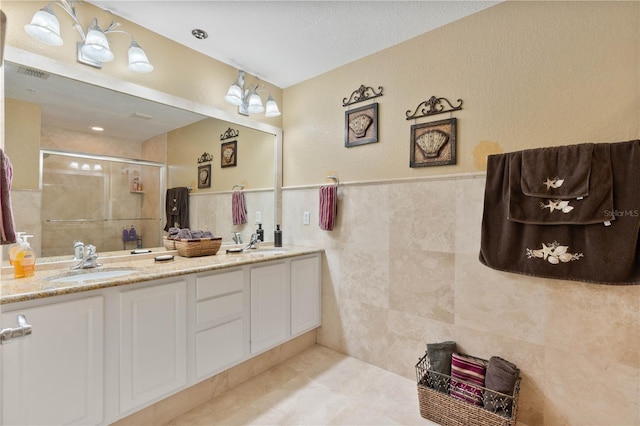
<point x="93" y="199"/>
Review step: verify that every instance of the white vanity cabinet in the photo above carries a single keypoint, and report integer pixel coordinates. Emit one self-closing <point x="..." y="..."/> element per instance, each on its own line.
<point x="270" y="312"/>
<point x="306" y="294"/>
<point x="98" y="356"/>
<point x="221" y="324"/>
<point x="153" y="344"/>
<point x="55" y="376"/>
<point x="285" y="300"/>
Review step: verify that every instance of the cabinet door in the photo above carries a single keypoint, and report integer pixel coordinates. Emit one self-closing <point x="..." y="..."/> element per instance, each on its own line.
<point x="152" y="343"/>
<point x="55" y="376"/>
<point x="305" y="294"/>
<point x="269" y="306"/>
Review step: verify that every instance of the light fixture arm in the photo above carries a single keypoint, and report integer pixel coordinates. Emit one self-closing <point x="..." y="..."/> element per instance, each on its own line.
<point x="68" y="6"/>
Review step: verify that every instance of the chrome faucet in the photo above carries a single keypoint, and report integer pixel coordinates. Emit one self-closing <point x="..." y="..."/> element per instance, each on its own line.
<point x="253" y="243"/>
<point x="89" y="259"/>
<point x="78" y="250"/>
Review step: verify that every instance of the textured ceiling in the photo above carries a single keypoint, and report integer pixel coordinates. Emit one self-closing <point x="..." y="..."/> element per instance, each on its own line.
<point x="286" y="42"/>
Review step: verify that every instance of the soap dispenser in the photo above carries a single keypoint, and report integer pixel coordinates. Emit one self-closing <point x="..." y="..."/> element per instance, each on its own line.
<point x="25" y="261"/>
<point x="277" y="237"/>
<point x="260" y="232"/>
<point x="13" y="248"/>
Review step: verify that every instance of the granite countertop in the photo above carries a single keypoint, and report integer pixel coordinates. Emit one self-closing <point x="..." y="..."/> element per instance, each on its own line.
<point x="144" y="266"/>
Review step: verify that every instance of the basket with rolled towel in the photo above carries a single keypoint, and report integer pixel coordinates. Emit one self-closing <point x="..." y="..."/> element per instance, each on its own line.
<point x="458" y="389"/>
<point x="192" y="243"/>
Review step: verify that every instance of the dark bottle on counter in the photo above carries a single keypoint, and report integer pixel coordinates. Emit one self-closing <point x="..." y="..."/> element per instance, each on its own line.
<point x="277" y="237"/>
<point x="260" y="232"/>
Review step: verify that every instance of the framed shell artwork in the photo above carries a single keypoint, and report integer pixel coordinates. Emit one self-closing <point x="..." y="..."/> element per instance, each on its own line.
<point x="361" y="125"/>
<point x="204" y="176"/>
<point x="229" y="154"/>
<point x="433" y="144"/>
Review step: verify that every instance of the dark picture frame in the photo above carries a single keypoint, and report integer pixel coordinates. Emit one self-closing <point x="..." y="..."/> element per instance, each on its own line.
<point x="433" y="144"/>
<point x="229" y="154"/>
<point x="204" y="176"/>
<point x="361" y="125"/>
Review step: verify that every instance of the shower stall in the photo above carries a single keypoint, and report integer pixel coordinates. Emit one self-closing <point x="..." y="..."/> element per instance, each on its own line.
<point x="98" y="200"/>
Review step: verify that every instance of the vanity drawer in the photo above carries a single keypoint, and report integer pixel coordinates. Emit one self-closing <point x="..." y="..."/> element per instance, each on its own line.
<point x="218" y="284"/>
<point x="221" y="308"/>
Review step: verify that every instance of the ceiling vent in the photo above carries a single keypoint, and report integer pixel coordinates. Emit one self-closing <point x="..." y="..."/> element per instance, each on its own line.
<point x="32" y="72"/>
<point x="141" y="116"/>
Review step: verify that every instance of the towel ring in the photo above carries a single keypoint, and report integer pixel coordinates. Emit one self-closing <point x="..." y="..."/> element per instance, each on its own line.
<point x="237" y="186"/>
<point x="334" y="179"/>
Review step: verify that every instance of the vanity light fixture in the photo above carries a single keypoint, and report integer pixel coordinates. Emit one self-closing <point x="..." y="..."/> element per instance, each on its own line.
<point x="248" y="100"/>
<point x="94" y="48"/>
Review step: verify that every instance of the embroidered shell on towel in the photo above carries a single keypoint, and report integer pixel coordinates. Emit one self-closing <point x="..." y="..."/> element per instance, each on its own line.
<point x="360" y="124"/>
<point x="431" y="142"/>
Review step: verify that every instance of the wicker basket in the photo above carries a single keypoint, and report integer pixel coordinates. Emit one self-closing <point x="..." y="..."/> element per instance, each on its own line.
<point x="441" y="408"/>
<point x="199" y="247"/>
<point x="169" y="244"/>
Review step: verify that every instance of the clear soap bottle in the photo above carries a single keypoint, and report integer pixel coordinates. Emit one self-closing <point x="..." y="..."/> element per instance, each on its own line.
<point x="24" y="264"/>
<point x="15" y="247"/>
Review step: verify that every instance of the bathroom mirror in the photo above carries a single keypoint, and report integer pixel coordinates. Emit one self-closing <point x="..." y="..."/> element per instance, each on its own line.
<point x="173" y="117"/>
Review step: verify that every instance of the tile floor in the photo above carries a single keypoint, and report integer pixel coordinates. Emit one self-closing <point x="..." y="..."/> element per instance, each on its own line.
<point x="316" y="387"/>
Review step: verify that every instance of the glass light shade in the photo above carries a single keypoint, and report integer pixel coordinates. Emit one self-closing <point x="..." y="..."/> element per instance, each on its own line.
<point x="271" y="108"/>
<point x="138" y="61"/>
<point x="234" y="95"/>
<point x="96" y="45"/>
<point x="45" y="27"/>
<point x="255" y="103"/>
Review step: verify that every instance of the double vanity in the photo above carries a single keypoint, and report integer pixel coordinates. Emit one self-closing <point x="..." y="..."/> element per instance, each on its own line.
<point x="110" y="341"/>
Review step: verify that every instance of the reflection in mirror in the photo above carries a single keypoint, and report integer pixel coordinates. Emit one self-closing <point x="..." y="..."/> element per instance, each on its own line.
<point x="43" y="112"/>
<point x="111" y="197"/>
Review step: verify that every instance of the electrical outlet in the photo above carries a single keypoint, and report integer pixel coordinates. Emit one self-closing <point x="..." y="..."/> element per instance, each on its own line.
<point x="258" y="217"/>
<point x="306" y="218"/>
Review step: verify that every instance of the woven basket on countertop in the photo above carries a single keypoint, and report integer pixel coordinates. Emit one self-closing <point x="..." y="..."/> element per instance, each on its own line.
<point x="169" y="243"/>
<point x="446" y="410"/>
<point x="198" y="247"/>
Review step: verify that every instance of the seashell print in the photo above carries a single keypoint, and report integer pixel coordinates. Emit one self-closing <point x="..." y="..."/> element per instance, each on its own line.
<point x="431" y="142"/>
<point x="360" y="124"/>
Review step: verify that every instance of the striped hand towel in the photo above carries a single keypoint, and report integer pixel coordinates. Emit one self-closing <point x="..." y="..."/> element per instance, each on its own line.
<point x="238" y="208"/>
<point x="328" y="207"/>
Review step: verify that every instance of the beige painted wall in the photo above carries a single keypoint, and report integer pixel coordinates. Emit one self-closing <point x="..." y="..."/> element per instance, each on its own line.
<point x="254" y="158"/>
<point x="530" y="74"/>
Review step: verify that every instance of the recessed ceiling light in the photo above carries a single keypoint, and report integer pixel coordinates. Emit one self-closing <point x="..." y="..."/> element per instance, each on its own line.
<point x="199" y="34"/>
<point x="97" y="129"/>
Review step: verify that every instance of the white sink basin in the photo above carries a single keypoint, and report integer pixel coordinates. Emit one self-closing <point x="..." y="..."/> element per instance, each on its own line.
<point x="93" y="275"/>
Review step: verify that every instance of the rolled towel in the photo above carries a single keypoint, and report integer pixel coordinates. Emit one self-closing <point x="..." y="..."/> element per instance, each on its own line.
<point x="328" y="207"/>
<point x="467" y="378"/>
<point x="440" y="362"/>
<point x="501" y="376"/>
<point x="184" y="234"/>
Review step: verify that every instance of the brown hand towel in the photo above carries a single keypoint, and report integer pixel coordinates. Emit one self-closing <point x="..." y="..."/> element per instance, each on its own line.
<point x="597" y="207"/>
<point x="501" y="376"/>
<point x="557" y="172"/>
<point x="591" y="253"/>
